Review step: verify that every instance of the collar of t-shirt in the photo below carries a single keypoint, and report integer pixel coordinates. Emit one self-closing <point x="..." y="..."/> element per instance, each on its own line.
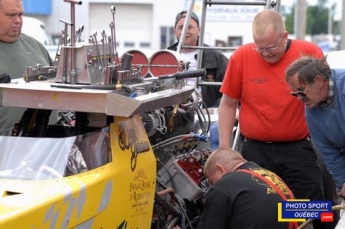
<point x="288" y="45"/>
<point x="190" y="57"/>
<point x="330" y="97"/>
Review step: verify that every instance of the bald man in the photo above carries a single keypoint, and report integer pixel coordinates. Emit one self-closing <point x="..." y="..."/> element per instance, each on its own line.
<point x="17" y="52"/>
<point x="243" y="194"/>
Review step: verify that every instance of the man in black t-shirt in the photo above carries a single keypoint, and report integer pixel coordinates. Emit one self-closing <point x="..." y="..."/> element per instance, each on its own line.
<point x="243" y="195"/>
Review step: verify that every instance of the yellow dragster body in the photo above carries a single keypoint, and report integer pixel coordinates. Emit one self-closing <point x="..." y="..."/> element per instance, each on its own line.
<point x="119" y="194"/>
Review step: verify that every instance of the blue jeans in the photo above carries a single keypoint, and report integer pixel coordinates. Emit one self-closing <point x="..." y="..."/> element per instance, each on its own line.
<point x="214" y="136"/>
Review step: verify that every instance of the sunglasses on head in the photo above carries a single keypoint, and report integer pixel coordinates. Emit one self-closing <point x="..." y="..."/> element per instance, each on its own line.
<point x="300" y="93"/>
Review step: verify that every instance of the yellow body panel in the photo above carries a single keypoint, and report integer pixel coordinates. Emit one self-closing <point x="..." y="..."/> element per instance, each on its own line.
<point x="119" y="194"/>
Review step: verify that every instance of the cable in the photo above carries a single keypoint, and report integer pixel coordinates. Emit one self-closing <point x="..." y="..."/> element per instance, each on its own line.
<point x="170" y="177"/>
<point x="183" y="213"/>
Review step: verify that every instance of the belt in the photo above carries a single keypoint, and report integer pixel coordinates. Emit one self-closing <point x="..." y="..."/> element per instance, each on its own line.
<point x="248" y="140"/>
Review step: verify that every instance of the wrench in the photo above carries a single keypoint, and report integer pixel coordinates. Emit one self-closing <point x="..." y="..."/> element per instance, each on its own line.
<point x="113" y="9"/>
<point x="94" y="41"/>
<point x="104" y="47"/>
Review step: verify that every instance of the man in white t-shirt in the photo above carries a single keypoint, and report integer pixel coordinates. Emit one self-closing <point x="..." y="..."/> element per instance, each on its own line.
<point x="213" y="61"/>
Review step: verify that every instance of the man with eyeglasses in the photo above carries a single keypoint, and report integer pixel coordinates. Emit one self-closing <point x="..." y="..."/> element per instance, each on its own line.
<point x="272" y="121"/>
<point x="213" y="61"/>
<point x="322" y="90"/>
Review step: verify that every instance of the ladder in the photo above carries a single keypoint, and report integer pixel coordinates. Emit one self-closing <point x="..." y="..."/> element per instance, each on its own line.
<point x="269" y="4"/>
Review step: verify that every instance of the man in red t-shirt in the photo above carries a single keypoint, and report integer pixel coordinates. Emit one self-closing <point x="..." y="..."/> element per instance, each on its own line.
<point x="271" y="120"/>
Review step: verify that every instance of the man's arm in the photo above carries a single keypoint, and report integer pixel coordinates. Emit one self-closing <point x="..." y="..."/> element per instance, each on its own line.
<point x="226" y="120"/>
<point x="342" y="192"/>
<point x="333" y="157"/>
<point x="335" y="162"/>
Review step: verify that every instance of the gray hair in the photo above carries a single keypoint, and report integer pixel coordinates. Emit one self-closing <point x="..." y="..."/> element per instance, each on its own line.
<point x="308" y="68"/>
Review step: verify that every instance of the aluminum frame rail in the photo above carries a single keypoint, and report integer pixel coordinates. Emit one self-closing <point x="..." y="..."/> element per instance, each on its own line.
<point x="40" y="95"/>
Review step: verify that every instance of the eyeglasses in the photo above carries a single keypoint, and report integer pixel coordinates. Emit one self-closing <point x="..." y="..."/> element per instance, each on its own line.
<point x="189" y="27"/>
<point x="268" y="49"/>
<point x="301" y="94"/>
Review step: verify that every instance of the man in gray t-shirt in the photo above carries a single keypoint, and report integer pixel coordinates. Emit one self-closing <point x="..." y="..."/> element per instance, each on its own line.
<point x="17" y="52"/>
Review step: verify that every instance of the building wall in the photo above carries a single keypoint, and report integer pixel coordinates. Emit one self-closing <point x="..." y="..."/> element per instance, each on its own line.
<point x="136" y="21"/>
<point x="141" y="22"/>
